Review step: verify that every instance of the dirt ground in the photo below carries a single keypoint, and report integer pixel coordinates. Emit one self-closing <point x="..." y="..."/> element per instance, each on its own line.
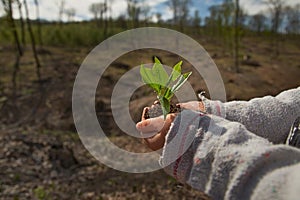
<point x="41" y="155"/>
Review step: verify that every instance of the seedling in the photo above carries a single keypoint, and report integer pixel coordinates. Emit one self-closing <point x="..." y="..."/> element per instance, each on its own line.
<point x="164" y="85"/>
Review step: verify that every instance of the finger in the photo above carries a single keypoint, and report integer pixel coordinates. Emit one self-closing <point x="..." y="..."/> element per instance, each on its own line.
<point x="156" y="102"/>
<point x="144" y="112"/>
<point x="191" y="105"/>
<point x="151" y="125"/>
<point x="142" y="124"/>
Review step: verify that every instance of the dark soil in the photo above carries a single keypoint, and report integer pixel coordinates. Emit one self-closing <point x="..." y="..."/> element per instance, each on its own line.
<point x="156" y="110"/>
<point x="57" y="166"/>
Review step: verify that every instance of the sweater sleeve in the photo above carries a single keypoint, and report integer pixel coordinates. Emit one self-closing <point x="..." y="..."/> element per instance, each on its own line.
<point x="268" y="117"/>
<point x="226" y="161"/>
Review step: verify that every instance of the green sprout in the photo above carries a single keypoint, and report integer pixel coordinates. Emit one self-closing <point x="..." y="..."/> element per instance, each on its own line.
<point x="164" y="85"/>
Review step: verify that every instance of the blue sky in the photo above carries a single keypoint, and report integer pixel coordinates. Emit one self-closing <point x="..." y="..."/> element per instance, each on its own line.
<point x="49" y="8"/>
<point x="200" y="5"/>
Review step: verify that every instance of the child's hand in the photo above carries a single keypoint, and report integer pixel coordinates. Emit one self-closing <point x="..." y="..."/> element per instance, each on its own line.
<point x="193" y="105"/>
<point x="157" y="126"/>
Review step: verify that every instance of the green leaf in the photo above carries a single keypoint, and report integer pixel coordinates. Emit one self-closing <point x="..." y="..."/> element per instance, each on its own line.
<point x="157" y="78"/>
<point x="148" y="78"/>
<point x="168" y="94"/>
<point x="187" y="75"/>
<point x="181" y="81"/>
<point x="176" y="71"/>
<point x="156" y="60"/>
<point x="165" y="105"/>
<point x="159" y="73"/>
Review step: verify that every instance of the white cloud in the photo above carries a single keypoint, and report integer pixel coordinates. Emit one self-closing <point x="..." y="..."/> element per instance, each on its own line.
<point x="119" y="7"/>
<point x="253" y="6"/>
<point x="153" y="3"/>
<point x="256" y="6"/>
<point x="49" y="9"/>
<point x="168" y="14"/>
<point x="1" y="10"/>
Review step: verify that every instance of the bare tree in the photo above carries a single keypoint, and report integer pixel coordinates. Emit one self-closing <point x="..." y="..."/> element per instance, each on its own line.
<point x="158" y="17"/>
<point x="8" y="8"/>
<point x="36" y="2"/>
<point x="105" y="11"/>
<point x="226" y="22"/>
<point x="276" y="10"/>
<point x="61" y="10"/>
<point x="228" y="12"/>
<point x="145" y="12"/>
<point x="21" y="22"/>
<point x="94" y="10"/>
<point x="110" y="8"/>
<point x="108" y="17"/>
<point x="70" y="12"/>
<point x="98" y="10"/>
<point x="122" y="21"/>
<point x="221" y="19"/>
<point x="214" y="22"/>
<point x="196" y="19"/>
<point x="174" y="6"/>
<point x="184" y="12"/>
<point x="133" y="12"/>
<point x="33" y="44"/>
<point x="293" y="19"/>
<point x="222" y="22"/>
<point x="258" y="22"/>
<point x="7" y="5"/>
<point x="236" y="36"/>
<point x="137" y="10"/>
<point x="180" y="9"/>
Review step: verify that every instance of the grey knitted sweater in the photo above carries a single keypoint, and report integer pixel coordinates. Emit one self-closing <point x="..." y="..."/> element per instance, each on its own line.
<point x="238" y="155"/>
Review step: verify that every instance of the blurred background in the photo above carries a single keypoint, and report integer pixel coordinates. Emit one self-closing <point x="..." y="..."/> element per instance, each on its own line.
<point x="254" y="43"/>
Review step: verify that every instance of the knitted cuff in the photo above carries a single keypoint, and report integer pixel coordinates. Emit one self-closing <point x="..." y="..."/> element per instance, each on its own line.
<point x="213" y="107"/>
<point x="177" y="155"/>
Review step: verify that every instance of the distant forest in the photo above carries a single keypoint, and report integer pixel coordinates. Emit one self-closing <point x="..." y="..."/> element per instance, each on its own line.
<point x="227" y="23"/>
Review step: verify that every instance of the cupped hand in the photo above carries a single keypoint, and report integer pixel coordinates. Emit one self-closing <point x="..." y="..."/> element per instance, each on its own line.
<point x="156" y="128"/>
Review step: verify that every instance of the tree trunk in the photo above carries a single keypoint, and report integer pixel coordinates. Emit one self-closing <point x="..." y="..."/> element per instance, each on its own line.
<point x="15" y="74"/>
<point x="61" y="12"/>
<point x="13" y="27"/>
<point x="105" y="20"/>
<point x="37" y="62"/>
<point x="39" y="25"/>
<point x="19" y="50"/>
<point x="236" y="36"/>
<point x="22" y="23"/>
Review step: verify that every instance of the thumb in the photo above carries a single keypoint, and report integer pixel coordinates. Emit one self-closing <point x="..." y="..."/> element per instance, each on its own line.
<point x="151" y="125"/>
